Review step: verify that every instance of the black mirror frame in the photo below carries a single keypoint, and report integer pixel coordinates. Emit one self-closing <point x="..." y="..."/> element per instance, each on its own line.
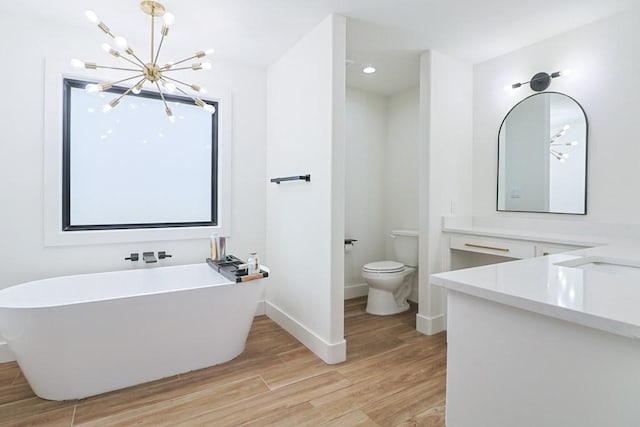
<point x="586" y="155"/>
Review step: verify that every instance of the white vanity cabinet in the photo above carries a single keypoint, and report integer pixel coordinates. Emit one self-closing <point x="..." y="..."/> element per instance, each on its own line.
<point x="473" y="249"/>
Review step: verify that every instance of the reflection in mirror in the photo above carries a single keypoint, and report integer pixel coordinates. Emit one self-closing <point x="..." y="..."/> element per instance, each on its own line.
<point x="542" y="156"/>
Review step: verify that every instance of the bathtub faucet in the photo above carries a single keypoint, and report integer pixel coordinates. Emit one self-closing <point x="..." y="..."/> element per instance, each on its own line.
<point x="149" y="257"/>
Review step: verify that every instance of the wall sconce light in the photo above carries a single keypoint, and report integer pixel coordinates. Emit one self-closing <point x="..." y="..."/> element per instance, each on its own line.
<point x="540" y="81"/>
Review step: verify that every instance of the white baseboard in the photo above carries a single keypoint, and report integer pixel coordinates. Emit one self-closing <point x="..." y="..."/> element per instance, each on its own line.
<point x="430" y="325"/>
<point x="355" y="291"/>
<point x="329" y="353"/>
<point x="260" y="309"/>
<point x="5" y="354"/>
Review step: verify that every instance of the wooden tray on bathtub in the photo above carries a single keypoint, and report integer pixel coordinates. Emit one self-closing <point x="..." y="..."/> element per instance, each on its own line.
<point x="229" y="269"/>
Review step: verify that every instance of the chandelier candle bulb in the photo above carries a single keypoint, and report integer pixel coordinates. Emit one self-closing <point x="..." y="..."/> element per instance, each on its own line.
<point x="121" y="42"/>
<point x="92" y="17"/>
<point x="168" y="19"/>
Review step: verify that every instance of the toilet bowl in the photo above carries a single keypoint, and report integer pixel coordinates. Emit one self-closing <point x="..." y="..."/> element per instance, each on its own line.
<point x="390" y="281"/>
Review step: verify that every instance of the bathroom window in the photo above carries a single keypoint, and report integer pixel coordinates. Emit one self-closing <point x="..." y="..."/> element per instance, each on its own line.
<point x="131" y="168"/>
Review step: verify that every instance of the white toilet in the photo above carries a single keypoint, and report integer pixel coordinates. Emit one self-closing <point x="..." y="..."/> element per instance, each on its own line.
<point x="390" y="281"/>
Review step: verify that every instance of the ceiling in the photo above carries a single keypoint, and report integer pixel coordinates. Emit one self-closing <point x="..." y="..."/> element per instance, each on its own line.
<point x="389" y="34"/>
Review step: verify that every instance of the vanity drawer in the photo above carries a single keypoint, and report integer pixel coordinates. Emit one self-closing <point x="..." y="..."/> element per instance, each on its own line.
<point x="556" y="249"/>
<point x="493" y="246"/>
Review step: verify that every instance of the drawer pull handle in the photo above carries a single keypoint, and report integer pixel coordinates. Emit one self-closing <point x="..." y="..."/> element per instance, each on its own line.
<point x="487" y="247"/>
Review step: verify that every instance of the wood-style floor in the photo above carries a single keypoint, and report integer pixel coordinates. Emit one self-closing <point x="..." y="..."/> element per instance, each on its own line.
<point x="394" y="376"/>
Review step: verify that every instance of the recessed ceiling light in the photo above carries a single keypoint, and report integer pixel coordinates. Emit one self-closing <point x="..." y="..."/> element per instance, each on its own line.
<point x="369" y="70"/>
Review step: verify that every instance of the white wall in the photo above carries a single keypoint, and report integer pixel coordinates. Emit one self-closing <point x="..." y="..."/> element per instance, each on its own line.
<point x="22" y="253"/>
<point x="401" y="175"/>
<point x="365" y="176"/>
<point x="381" y="177"/>
<point x="446" y="92"/>
<point x="305" y="220"/>
<point x="605" y="64"/>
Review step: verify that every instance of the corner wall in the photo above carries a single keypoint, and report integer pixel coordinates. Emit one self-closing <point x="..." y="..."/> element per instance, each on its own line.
<point x="305" y="220"/>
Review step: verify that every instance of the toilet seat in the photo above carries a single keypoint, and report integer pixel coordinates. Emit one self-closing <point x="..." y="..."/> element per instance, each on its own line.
<point x="383" y="267"/>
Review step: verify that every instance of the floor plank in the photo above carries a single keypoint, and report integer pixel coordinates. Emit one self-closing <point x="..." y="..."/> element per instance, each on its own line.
<point x="394" y="376"/>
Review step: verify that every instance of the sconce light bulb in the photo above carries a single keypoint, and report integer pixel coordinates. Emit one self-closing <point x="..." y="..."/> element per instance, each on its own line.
<point x="566" y="127"/>
<point x="121" y="42"/>
<point x="169" y="19"/>
<point x="369" y="70"/>
<point x="91" y="16"/>
<point x="76" y="63"/>
<point x="209" y="51"/>
<point x="561" y="160"/>
<point x="573" y="143"/>
<point x="210" y="108"/>
<point x="565" y="72"/>
<point x="137" y="89"/>
<point x="206" y="66"/>
<point x="106" y="47"/>
<point x="508" y="88"/>
<point x="106" y="108"/>
<point x="565" y="155"/>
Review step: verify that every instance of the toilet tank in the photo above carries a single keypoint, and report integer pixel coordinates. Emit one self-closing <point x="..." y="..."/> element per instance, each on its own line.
<point x="405" y="245"/>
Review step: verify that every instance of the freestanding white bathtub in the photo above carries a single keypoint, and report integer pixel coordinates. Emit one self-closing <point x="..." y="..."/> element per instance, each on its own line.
<point x="82" y="335"/>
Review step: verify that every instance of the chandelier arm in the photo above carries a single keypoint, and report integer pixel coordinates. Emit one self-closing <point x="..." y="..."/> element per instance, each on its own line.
<point x="124" y="80"/>
<point x="176" y="69"/>
<point x="153" y="22"/>
<point x="155" y="60"/>
<point x="161" y="95"/>
<point x="177" y="81"/>
<point x="140" y="83"/>
<point x="117" y="68"/>
<point x="132" y="53"/>
<point x="179" y="62"/>
<point x="185" y="93"/>
<point x="128" y="60"/>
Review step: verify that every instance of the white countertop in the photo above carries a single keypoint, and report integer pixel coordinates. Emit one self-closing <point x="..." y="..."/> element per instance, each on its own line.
<point x="609" y="301"/>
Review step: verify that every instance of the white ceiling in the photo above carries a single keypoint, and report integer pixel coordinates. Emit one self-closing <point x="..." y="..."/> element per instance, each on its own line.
<point x="386" y="33"/>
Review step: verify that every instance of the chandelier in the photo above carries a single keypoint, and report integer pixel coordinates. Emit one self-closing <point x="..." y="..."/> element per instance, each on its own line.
<point x="147" y="72"/>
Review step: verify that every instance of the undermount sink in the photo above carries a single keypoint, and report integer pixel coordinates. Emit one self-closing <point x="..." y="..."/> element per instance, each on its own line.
<point x="604" y="264"/>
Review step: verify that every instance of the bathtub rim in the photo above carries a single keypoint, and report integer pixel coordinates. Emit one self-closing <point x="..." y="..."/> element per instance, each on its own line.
<point x="116" y="272"/>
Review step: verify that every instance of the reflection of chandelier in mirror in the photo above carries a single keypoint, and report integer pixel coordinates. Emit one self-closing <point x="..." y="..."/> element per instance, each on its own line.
<point x="553" y="142"/>
<point x="149" y="72"/>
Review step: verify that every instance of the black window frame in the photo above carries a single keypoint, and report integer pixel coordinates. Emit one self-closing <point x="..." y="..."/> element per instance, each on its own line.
<point x="68" y="84"/>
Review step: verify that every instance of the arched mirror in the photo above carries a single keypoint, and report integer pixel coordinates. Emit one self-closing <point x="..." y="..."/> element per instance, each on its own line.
<point x="542" y="156"/>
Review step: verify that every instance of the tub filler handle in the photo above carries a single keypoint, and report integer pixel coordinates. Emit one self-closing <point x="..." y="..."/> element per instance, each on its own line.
<point x="132" y="257"/>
